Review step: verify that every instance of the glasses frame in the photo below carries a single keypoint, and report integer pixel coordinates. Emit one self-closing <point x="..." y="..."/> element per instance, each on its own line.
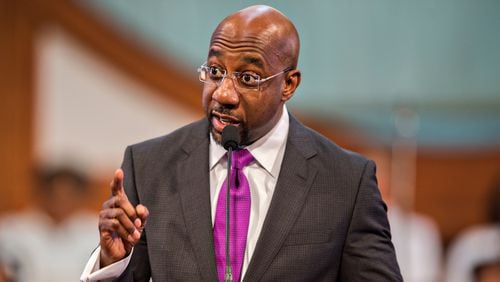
<point x="204" y="67"/>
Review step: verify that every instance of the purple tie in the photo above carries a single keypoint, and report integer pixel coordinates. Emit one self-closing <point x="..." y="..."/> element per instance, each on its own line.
<point x="239" y="217"/>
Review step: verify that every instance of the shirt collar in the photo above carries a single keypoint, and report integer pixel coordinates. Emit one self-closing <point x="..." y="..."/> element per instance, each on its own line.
<point x="265" y="150"/>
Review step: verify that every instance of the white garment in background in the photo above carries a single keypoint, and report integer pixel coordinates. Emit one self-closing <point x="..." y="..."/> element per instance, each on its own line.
<point x="418" y="245"/>
<point x="34" y="249"/>
<point x="476" y="246"/>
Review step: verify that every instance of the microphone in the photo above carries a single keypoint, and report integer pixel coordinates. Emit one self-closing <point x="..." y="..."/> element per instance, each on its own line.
<point x="230" y="137"/>
<point x="230" y="141"/>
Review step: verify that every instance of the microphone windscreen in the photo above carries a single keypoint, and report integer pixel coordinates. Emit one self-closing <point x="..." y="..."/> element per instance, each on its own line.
<point x="230" y="137"/>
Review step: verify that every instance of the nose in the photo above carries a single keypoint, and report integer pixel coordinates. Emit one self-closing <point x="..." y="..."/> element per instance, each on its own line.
<point x="226" y="94"/>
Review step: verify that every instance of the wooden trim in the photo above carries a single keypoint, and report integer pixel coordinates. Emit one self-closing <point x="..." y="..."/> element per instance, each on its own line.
<point x="453" y="188"/>
<point x="164" y="74"/>
<point x="16" y="106"/>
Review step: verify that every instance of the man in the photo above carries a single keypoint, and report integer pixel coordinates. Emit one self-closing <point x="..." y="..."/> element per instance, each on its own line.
<point x="38" y="244"/>
<point x="315" y="214"/>
<point x="474" y="255"/>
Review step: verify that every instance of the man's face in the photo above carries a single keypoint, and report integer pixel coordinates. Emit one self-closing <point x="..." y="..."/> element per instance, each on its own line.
<point x="253" y="112"/>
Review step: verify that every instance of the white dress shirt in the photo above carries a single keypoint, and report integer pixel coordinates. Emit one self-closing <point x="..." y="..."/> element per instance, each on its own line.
<point x="262" y="174"/>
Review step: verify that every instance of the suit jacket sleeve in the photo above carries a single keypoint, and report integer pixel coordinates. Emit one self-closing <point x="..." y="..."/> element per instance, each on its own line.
<point x="369" y="253"/>
<point x="138" y="268"/>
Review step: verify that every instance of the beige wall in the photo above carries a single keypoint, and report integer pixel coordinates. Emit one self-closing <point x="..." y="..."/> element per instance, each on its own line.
<point x="88" y="111"/>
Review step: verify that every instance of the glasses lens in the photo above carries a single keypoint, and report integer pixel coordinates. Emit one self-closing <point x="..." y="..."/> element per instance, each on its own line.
<point x="203" y="74"/>
<point x="247" y="80"/>
<point x="216" y="74"/>
<point x="242" y="80"/>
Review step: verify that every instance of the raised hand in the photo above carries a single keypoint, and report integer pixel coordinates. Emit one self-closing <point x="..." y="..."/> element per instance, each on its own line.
<point x="120" y="223"/>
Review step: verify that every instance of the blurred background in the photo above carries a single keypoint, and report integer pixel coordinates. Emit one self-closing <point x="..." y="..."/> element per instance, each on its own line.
<point x="414" y="85"/>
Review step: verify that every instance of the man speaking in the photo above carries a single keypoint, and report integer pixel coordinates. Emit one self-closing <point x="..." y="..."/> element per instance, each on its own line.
<point x="296" y="206"/>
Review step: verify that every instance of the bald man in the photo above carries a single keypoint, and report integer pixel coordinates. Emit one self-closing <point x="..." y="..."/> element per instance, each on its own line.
<point x="315" y="211"/>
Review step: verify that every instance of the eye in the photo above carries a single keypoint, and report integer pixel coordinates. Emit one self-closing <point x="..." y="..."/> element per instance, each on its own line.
<point x="216" y="73"/>
<point x="249" y="79"/>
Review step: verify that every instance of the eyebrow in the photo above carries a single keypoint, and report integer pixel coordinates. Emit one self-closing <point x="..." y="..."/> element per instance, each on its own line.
<point x="253" y="60"/>
<point x="214" y="53"/>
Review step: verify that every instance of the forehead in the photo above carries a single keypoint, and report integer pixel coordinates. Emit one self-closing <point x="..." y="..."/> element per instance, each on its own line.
<point x="245" y="57"/>
<point x="245" y="47"/>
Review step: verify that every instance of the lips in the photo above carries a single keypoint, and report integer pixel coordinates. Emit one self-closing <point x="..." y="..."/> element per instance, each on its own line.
<point x="219" y="121"/>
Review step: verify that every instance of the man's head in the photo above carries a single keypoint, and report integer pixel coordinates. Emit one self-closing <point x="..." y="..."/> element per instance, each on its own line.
<point x="60" y="192"/>
<point x="255" y="43"/>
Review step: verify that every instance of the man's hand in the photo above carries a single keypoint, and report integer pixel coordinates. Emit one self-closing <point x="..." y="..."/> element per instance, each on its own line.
<point x="120" y="224"/>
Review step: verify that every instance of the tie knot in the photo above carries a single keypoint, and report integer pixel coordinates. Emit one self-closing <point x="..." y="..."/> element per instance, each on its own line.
<point x="241" y="158"/>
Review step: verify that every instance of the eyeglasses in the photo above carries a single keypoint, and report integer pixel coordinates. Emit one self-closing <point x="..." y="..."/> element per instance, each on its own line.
<point x="242" y="80"/>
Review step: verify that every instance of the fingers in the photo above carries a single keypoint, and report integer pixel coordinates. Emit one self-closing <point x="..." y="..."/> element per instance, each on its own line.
<point x="143" y="214"/>
<point x="119" y="207"/>
<point x="115" y="220"/>
<point x="120" y="223"/>
<point x="117" y="183"/>
<point x="119" y="217"/>
<point x="121" y="201"/>
<point x="119" y="198"/>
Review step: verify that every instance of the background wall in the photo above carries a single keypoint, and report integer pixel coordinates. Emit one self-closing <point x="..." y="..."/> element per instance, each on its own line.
<point x="360" y="59"/>
<point x="88" y="111"/>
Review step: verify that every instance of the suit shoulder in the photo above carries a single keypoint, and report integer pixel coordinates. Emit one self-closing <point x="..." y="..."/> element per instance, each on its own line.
<point x="331" y="150"/>
<point x="173" y="140"/>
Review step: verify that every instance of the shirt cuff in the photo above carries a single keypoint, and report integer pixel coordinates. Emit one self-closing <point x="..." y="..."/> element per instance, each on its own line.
<point x="93" y="272"/>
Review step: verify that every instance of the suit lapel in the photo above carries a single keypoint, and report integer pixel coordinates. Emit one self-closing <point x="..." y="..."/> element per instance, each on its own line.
<point x="194" y="190"/>
<point x="296" y="177"/>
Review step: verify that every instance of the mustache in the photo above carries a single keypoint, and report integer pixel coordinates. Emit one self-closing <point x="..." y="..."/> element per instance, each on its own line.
<point x="222" y="110"/>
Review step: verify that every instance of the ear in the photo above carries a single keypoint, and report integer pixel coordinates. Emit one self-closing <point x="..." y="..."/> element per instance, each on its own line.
<point x="292" y="81"/>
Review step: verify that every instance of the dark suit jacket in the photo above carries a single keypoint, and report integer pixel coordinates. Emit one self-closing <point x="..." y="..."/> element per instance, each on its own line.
<point x="326" y="221"/>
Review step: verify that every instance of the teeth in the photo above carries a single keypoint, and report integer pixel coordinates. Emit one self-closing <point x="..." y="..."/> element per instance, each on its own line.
<point x="225" y="121"/>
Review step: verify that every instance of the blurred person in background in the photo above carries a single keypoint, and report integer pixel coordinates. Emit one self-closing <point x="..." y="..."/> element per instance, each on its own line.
<point x="417" y="240"/>
<point x="416" y="237"/>
<point x="489" y="272"/>
<point x="474" y="256"/>
<point x="50" y="241"/>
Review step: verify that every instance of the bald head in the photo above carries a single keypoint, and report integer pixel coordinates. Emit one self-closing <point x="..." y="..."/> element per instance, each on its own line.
<point x="265" y="26"/>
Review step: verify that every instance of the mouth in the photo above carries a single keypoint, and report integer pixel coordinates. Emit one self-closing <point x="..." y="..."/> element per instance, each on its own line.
<point x="219" y="121"/>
